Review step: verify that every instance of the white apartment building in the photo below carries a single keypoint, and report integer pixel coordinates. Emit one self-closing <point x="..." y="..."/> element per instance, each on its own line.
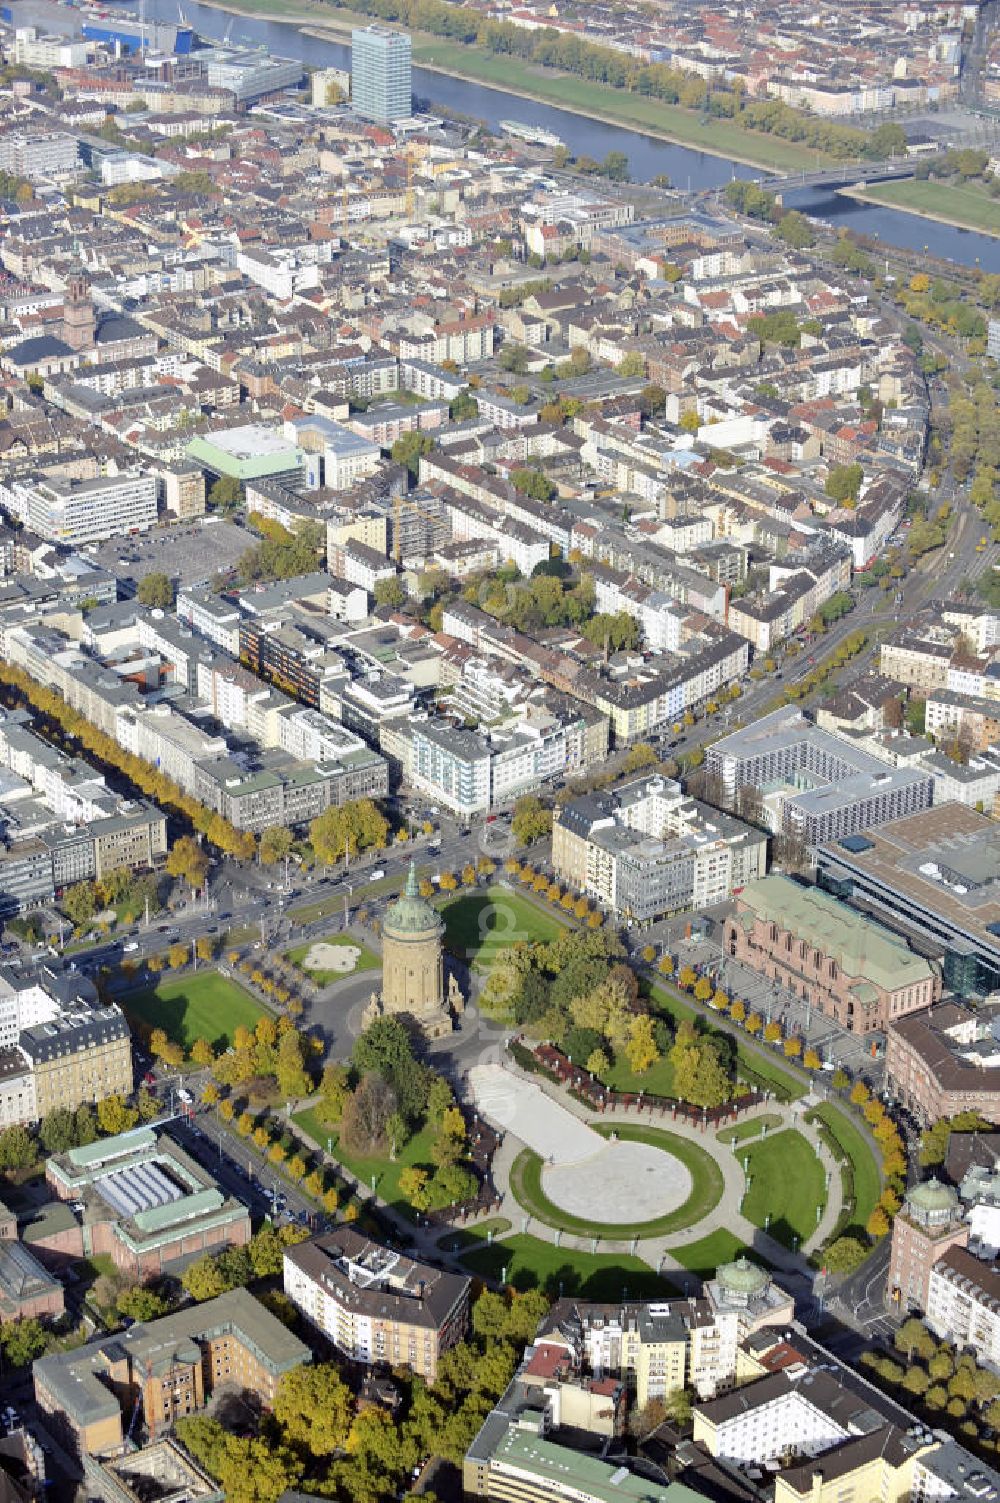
<point x="963" y="1303"/>
<point x="311" y="736"/>
<point x="74" y="512"/>
<point x="35" y="50"/>
<point x="452" y="766"/>
<point x="472" y="772"/>
<point x="347" y="457"/>
<point x="774" y="1417"/>
<point x="211" y="617"/>
<point x="37" y="155"/>
<point x="280" y="272"/>
<point x="168" y="741"/>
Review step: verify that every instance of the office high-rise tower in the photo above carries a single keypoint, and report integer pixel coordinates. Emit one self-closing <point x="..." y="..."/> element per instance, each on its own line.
<point x="380" y="74"/>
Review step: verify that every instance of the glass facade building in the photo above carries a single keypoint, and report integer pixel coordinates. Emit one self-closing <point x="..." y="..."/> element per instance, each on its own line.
<point x="381" y="88"/>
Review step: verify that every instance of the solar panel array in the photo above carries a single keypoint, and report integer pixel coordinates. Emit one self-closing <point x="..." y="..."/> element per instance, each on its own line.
<point x="140" y="1187"/>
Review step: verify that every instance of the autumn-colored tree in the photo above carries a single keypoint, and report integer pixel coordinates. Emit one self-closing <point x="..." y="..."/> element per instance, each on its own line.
<point x="772" y="1032"/>
<point x="878" y="1223"/>
<point x="202" y="1053"/>
<point x="188" y="861"/>
<point x="641" y="1049"/>
<point x="793" y="1048"/>
<point x="666" y="965"/>
<point x="115" y="1116"/>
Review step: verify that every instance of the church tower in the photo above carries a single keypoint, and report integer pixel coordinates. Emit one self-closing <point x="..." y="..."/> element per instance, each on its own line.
<point x="79" y="322"/>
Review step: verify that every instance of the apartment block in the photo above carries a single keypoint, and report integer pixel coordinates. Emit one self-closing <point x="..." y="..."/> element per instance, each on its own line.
<point x="813" y="784"/>
<point x="74" y="512"/>
<point x="161" y="1370"/>
<point x="375" y="1304"/>
<point x="59" y="1045"/>
<point x="942" y="1061"/>
<point x="646" y="850"/>
<point x="963" y="1303"/>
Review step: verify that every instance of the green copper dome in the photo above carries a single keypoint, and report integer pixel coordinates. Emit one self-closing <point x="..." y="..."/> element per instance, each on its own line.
<point x="410" y="914"/>
<point x="742" y="1277"/>
<point x="932" y="1196"/>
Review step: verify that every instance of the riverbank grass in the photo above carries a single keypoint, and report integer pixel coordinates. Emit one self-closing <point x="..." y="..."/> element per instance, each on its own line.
<point x="970" y="207"/>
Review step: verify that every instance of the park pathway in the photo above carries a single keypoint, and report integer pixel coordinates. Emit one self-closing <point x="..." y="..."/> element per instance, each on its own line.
<point x="727" y="1215"/>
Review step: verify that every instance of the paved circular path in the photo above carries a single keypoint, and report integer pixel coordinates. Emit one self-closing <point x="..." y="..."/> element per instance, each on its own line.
<point x="623" y="1182"/>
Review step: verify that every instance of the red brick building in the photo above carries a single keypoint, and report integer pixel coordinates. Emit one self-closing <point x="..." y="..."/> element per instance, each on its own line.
<point x="844" y="965"/>
<point x="927" y="1226"/>
<point x="937" y="1064"/>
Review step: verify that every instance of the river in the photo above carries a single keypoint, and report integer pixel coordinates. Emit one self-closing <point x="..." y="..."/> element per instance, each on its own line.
<point x="685" y="167"/>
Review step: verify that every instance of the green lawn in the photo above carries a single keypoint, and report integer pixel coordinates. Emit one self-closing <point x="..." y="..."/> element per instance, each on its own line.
<point x="596" y="100"/>
<point x="758" y="1070"/>
<point x="527" y="1264"/>
<point x="706" y="1192"/>
<point x="864" y="1168"/>
<point x="957" y="203"/>
<point x="704" y="1256"/>
<point x="385" y="1171"/>
<point x="657" y="1081"/>
<point x="751" y="1128"/>
<point x="202" y="1006"/>
<point x="676" y="1006"/>
<point x="787" y="1185"/>
<point x="366" y="960"/>
<point x="763" y="1073"/>
<point x="473" y="1236"/>
<point x="477" y="925"/>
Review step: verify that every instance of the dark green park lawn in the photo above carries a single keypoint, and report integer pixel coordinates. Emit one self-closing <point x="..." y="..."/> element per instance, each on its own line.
<point x="204" y="1005"/>
<point x="787" y="1186"/>
<point x="478" y="925"/>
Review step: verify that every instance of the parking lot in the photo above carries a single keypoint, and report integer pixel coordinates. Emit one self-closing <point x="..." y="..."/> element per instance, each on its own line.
<point x="189" y="552"/>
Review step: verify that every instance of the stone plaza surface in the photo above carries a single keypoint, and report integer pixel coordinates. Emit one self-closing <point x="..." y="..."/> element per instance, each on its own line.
<point x="324" y="957"/>
<point x="584" y="1173"/>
